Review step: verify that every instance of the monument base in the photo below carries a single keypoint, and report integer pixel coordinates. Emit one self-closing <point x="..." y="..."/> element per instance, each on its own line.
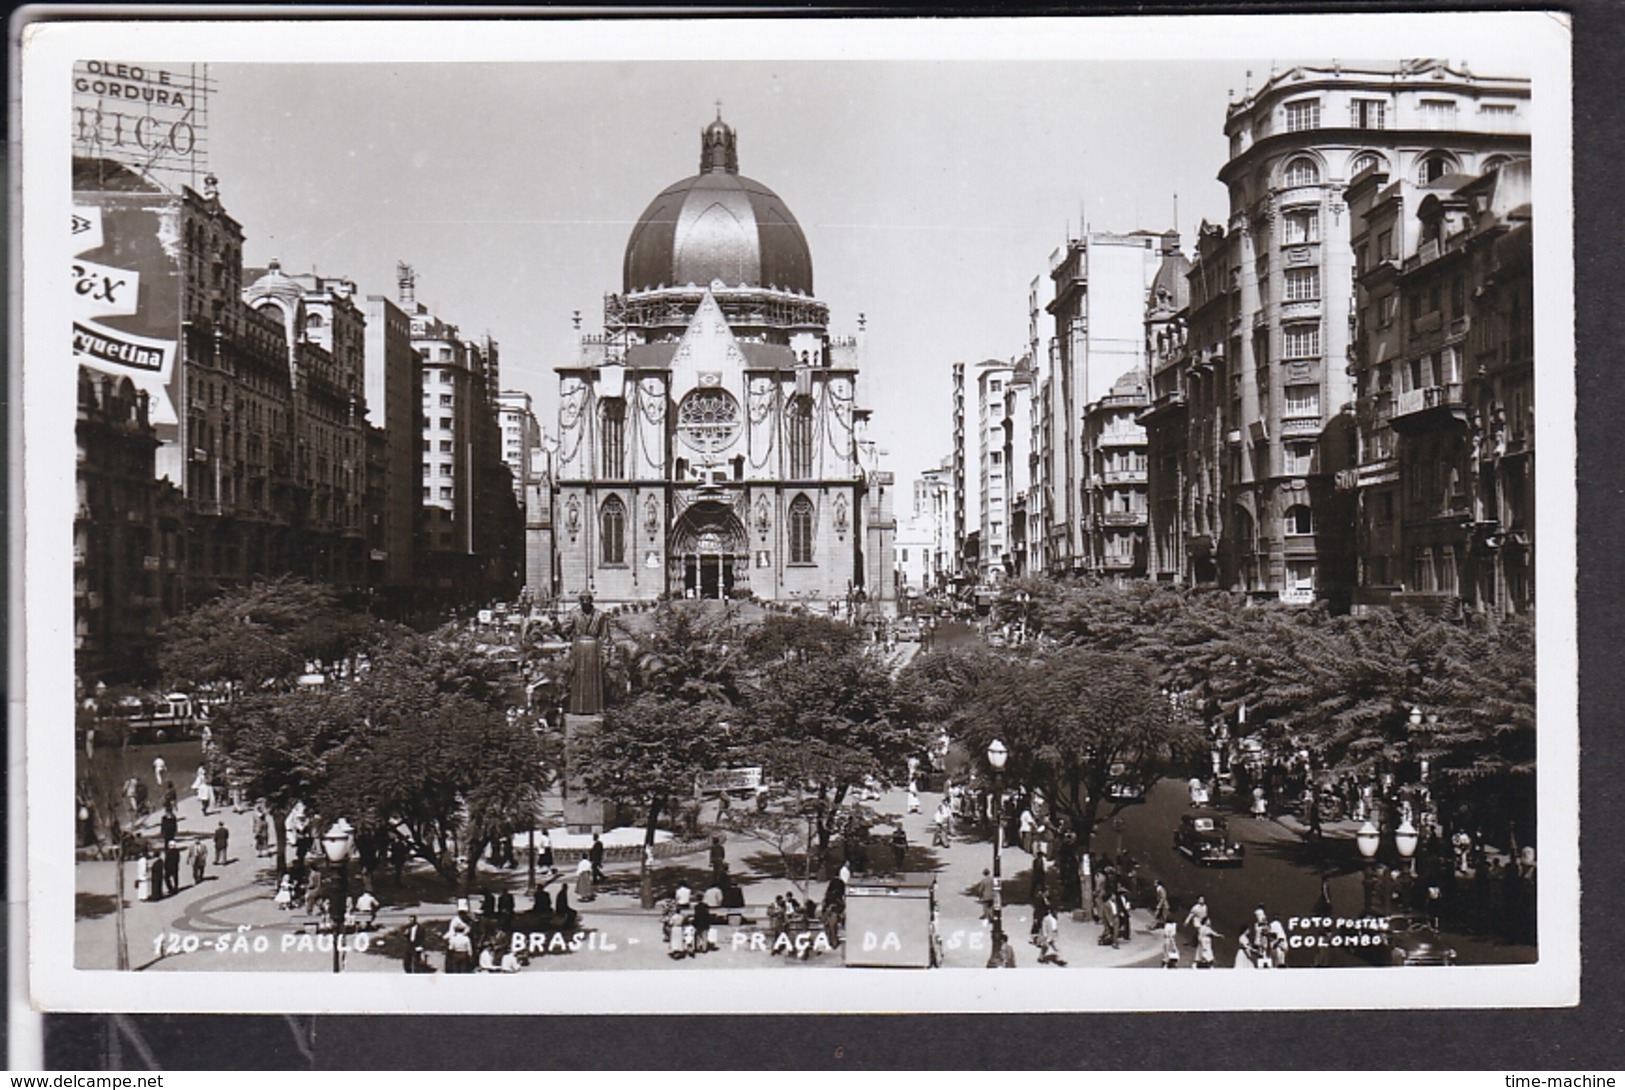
<point x="583" y="813"/>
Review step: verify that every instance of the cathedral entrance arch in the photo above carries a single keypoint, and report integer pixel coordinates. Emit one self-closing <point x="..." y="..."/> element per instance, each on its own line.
<point x="709" y="553"/>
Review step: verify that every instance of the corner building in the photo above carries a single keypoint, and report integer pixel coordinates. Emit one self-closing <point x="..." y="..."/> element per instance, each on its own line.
<point x="711" y="439"/>
<point x="1295" y="145"/>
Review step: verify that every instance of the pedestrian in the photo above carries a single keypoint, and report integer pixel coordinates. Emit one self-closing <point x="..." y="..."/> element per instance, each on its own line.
<point x="1314" y="818"/>
<point x="1170" y="945"/>
<point x="899" y="847"/>
<point x="595" y="854"/>
<point x="460" y="944"/>
<point x="719" y="860"/>
<point x="1198" y="913"/>
<point x="913" y="798"/>
<point x="1049" y="950"/>
<point x="200" y="859"/>
<point x="1109" y="923"/>
<point x="169" y="825"/>
<point x="544" y="853"/>
<point x="414" y="945"/>
<point x="201" y="788"/>
<point x="505" y="909"/>
<point x="1204" y="944"/>
<point x="777" y="917"/>
<point x="262" y="833"/>
<point x="159" y="769"/>
<point x="984" y="894"/>
<point x="222" y="837"/>
<point x="1029" y="825"/>
<point x="367" y="905"/>
<point x="1164" y="912"/>
<point x="1040" y="879"/>
<point x="284" y="893"/>
<point x="313" y="894"/>
<point x="172" y="866"/>
<point x="585" y="890"/>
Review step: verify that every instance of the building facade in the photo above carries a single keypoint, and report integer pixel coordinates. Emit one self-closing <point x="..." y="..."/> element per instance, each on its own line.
<point x="1295" y="145"/>
<point x="394" y="395"/>
<point x="1101" y="282"/>
<point x="711" y="439"/>
<point x="1443" y="366"/>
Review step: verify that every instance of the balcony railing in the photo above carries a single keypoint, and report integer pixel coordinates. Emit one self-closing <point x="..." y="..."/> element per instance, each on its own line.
<point x="1302" y="425"/>
<point x="1125" y="476"/>
<point x="1123" y="518"/>
<point x="1427" y="398"/>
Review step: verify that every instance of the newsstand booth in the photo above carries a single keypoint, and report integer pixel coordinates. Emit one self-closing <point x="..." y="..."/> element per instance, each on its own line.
<point x="888" y="921"/>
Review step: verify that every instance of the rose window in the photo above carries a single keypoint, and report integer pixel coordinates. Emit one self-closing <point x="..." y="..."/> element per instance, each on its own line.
<point x="708" y="420"/>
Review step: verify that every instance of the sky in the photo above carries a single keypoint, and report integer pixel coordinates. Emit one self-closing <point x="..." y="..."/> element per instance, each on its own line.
<point x="931" y="191"/>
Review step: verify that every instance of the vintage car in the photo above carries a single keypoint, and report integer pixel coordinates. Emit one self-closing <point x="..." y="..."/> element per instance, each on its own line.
<point x="1413" y="940"/>
<point x="1121" y="786"/>
<point x="1203" y="837"/>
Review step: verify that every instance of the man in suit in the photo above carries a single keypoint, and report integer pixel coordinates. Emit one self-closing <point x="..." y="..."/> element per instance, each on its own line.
<point x="595" y="855"/>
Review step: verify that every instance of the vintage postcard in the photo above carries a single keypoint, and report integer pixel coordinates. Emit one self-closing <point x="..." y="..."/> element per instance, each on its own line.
<point x="792" y="515"/>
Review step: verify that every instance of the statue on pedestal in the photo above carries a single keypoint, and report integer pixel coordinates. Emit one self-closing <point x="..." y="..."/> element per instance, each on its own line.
<point x="588" y="629"/>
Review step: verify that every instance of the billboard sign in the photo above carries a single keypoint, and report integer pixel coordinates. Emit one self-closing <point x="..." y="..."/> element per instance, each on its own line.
<point x="151" y="119"/>
<point x="126" y="285"/>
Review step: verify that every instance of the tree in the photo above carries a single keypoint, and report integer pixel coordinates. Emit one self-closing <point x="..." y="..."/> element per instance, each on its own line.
<point x="1067" y="718"/>
<point x="263" y="635"/>
<point x="683" y="676"/>
<point x="822" y="724"/>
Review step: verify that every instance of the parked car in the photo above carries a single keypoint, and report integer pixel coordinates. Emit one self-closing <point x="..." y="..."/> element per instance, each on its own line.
<point x="1203" y="837"/>
<point x="1122" y="787"/>
<point x="1413" y="940"/>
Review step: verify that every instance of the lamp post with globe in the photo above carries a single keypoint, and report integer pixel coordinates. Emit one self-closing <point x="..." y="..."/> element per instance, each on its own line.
<point x="1368" y="840"/>
<point x="996" y="756"/>
<point x="337" y="844"/>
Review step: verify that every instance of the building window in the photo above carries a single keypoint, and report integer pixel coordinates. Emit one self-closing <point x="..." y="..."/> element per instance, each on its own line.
<point x="801" y="439"/>
<point x="1298" y="520"/>
<point x="801" y="531"/>
<point x="1302" y="285"/>
<point x="1301" y="225"/>
<point x="1368" y="113"/>
<point x="425" y="491"/>
<point x="1422" y="572"/>
<point x="445" y="446"/>
<point x="445" y="401"/>
<point x="1300" y="581"/>
<point x="1433" y="167"/>
<point x="1303" y="401"/>
<point x="612" y="438"/>
<point x="1300" y="341"/>
<point x="905" y="556"/>
<point x="1302" y="115"/>
<point x="1301" y="171"/>
<point x="445" y="469"/>
<point x="1296" y="458"/>
<point x="445" y="423"/>
<point x="612" y="531"/>
<point x="426" y="446"/>
<point x="445" y="492"/>
<point x="1365" y="161"/>
<point x="1438" y="113"/>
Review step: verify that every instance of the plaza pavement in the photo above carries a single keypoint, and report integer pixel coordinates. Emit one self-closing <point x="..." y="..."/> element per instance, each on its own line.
<point x="230" y="921"/>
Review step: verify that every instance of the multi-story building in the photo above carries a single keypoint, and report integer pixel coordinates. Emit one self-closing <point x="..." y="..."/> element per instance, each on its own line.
<point x="1114" y="482"/>
<point x="711" y="440"/>
<point x="1101" y="284"/>
<point x="934" y="508"/>
<point x="961" y="530"/>
<point x="470" y="544"/>
<point x="394" y="392"/>
<point x="993" y="491"/>
<point x="1444" y="373"/>
<point x="1295" y="144"/>
<point x="528" y="458"/>
<point x="1018" y="437"/>
<point x="126" y="532"/>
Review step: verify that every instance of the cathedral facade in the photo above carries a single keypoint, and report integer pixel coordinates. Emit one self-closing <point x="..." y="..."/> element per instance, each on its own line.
<point x="711" y="439"/>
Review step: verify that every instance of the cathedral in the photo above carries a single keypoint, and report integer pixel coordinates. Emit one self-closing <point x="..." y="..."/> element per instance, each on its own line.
<point x="712" y="440"/>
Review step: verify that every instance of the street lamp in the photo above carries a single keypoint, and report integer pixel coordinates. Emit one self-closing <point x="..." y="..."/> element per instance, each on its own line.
<point x="1368" y="840"/>
<point x="337" y="843"/>
<point x="1405" y="839"/>
<point x="996" y="756"/>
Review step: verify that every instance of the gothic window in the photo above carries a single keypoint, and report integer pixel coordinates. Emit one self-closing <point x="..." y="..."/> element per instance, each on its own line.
<point x="708" y="420"/>
<point x="612" y="439"/>
<point x="612" y="527"/>
<point x="801" y="531"/>
<point x="801" y="438"/>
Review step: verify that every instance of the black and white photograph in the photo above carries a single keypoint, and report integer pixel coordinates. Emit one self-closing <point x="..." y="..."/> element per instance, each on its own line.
<point x="790" y="516"/>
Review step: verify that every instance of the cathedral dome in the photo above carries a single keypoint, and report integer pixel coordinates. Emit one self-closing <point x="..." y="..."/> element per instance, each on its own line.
<point x="718" y="225"/>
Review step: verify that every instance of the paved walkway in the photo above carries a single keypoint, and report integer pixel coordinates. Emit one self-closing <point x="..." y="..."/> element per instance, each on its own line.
<point x="230" y="920"/>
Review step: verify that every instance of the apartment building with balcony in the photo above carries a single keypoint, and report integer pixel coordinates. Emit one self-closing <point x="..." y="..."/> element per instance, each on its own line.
<point x="1114" y="483"/>
<point x="1295" y="145"/>
<point x="1443" y="368"/>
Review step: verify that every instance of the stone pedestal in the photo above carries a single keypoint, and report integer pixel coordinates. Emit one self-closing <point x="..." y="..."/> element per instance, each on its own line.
<point x="582" y="812"/>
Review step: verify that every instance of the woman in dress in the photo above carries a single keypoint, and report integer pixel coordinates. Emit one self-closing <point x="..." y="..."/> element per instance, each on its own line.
<point x="584" y="886"/>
